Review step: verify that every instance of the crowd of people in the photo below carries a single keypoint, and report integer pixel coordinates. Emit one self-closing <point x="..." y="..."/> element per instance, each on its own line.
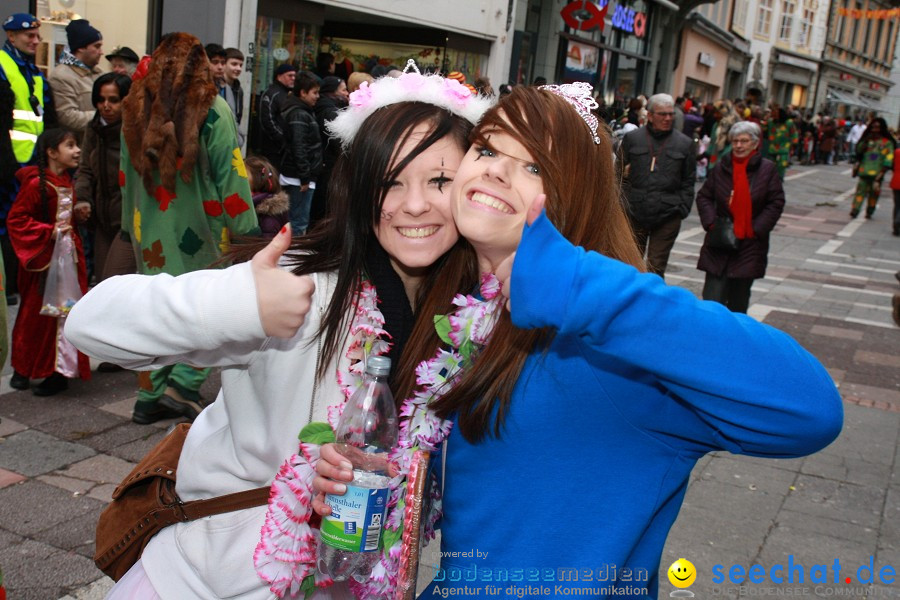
<point x="378" y="201"/>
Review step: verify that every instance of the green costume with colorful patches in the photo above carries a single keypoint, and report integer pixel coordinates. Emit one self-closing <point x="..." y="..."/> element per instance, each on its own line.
<point x="780" y="138"/>
<point x="190" y="229"/>
<point x="875" y="156"/>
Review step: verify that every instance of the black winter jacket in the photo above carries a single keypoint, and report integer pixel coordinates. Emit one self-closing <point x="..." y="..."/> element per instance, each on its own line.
<point x="653" y="197"/>
<point x="302" y="153"/>
<point x="767" y="196"/>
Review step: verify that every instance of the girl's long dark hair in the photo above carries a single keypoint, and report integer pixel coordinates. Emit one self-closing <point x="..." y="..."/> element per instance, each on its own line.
<point x="868" y="134"/>
<point x="342" y="241"/>
<point x="583" y="202"/>
<point x="50" y="139"/>
<point x="122" y="82"/>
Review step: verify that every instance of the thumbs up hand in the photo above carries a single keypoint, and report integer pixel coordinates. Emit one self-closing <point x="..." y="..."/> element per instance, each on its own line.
<point x="283" y="298"/>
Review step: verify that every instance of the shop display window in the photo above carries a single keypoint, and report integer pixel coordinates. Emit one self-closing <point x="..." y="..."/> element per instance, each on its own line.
<point x="280" y="41"/>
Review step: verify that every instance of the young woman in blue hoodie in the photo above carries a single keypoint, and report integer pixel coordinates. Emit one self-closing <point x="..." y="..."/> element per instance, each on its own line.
<point x="574" y="434"/>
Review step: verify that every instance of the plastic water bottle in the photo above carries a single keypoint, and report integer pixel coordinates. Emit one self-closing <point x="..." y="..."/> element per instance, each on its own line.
<point x="350" y="537"/>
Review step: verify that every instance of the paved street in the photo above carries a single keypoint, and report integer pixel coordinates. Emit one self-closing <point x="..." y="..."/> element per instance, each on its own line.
<point x="829" y="285"/>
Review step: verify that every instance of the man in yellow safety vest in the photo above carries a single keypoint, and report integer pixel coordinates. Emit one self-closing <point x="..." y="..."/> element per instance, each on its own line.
<point x="24" y="94"/>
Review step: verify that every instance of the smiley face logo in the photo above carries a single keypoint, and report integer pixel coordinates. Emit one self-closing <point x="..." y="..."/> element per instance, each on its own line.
<point x="682" y="573"/>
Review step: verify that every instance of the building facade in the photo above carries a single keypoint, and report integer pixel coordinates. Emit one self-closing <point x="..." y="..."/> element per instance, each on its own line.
<point x="855" y="77"/>
<point x="786" y="41"/>
<point x="712" y="62"/>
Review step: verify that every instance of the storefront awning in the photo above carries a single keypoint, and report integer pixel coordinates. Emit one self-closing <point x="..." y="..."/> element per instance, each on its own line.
<point x="839" y="97"/>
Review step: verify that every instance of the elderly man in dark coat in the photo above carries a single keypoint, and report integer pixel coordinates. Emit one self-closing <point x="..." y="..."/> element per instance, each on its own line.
<point x="660" y="165"/>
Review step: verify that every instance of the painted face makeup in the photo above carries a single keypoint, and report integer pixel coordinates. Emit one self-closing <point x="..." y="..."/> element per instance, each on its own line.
<point x="416" y="225"/>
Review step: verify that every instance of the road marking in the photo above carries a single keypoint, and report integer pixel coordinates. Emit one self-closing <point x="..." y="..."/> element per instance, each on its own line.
<point x="888" y="325"/>
<point x="688" y="233"/>
<point x="761" y="311"/>
<point x="829" y="248"/>
<point x="884" y="260"/>
<point x="833" y="286"/>
<point x="851" y="227"/>
<point x="848" y="266"/>
<point x="844" y="196"/>
<point x="801" y="174"/>
<point x="847" y="172"/>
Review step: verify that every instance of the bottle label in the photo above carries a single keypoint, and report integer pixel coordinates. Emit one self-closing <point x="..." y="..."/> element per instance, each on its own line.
<point x="356" y="519"/>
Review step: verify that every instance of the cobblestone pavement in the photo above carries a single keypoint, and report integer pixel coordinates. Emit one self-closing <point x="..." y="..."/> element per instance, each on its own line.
<point x="829" y="285"/>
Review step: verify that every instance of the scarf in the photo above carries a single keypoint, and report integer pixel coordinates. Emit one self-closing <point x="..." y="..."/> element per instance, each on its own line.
<point x="394" y="306"/>
<point x="67" y="58"/>
<point x="741" y="204"/>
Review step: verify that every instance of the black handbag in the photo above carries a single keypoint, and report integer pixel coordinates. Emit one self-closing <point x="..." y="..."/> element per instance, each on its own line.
<point x="721" y="236"/>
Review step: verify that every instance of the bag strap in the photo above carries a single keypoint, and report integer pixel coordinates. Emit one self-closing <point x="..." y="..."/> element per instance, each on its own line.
<point x="196" y="509"/>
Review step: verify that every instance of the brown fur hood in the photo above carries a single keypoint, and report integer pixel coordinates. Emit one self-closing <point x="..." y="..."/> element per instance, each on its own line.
<point x="163" y="113"/>
<point x="274" y="204"/>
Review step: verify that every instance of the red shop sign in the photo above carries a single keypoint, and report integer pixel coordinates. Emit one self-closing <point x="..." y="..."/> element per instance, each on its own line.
<point x="584" y="15"/>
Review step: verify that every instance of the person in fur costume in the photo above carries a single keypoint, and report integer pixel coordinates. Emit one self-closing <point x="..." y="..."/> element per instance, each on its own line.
<point x="269" y="201"/>
<point x="185" y="193"/>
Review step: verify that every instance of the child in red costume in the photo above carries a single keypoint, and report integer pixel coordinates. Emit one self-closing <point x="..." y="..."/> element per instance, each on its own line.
<point x="43" y="211"/>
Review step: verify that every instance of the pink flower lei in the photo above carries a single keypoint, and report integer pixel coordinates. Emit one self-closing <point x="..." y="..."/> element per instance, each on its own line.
<point x="286" y="553"/>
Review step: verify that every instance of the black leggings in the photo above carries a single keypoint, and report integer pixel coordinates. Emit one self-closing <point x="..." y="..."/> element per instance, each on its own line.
<point x="733" y="292"/>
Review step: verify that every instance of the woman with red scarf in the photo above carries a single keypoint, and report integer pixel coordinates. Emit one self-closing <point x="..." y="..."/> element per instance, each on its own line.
<point x="745" y="187"/>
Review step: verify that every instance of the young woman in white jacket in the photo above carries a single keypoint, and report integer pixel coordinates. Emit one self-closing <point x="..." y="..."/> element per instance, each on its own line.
<point x="278" y="326"/>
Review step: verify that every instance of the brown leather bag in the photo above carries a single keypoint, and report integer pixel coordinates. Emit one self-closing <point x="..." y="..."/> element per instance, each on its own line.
<point x="146" y="501"/>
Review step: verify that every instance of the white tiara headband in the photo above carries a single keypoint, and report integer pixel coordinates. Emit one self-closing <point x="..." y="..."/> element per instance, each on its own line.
<point x="580" y="96"/>
<point x="412" y="86"/>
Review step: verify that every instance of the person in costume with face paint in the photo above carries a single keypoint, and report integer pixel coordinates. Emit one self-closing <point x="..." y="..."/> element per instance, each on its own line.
<point x="289" y="327"/>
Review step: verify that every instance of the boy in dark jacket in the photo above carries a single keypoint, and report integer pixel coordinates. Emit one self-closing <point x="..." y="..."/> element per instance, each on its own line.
<point x="301" y="157"/>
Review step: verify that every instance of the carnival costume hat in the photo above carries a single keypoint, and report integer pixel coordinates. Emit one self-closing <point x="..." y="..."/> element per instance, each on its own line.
<point x="412" y="86"/>
<point x="20" y="22"/>
<point x="162" y="114"/>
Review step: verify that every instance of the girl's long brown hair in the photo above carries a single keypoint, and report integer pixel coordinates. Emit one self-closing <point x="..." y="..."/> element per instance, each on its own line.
<point x="583" y="202"/>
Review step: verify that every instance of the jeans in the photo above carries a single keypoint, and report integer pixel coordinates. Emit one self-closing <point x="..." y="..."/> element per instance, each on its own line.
<point x="300" y="203"/>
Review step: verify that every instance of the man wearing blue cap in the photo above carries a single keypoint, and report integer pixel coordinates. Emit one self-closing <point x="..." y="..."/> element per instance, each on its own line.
<point x="24" y="94"/>
<point x="73" y="78"/>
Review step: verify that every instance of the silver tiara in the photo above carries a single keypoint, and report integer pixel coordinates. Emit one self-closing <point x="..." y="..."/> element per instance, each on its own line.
<point x="580" y="96"/>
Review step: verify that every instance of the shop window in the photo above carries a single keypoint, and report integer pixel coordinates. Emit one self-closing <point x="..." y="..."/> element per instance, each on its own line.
<point x="282" y="41"/>
<point x="787" y="20"/>
<point x="764" y="18"/>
